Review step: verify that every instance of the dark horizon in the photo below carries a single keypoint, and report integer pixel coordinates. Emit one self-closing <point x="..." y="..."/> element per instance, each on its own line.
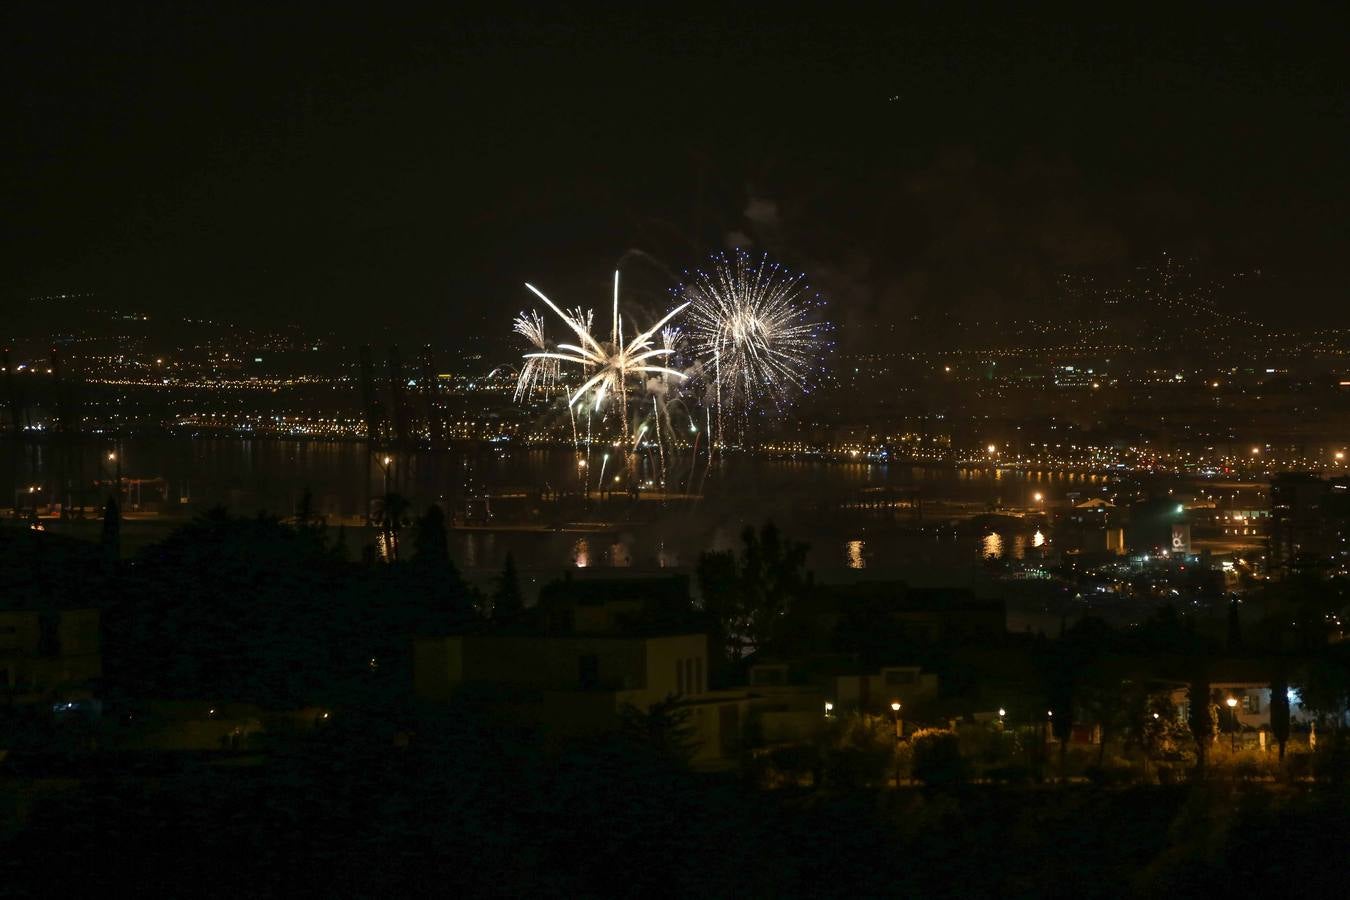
<point x="325" y="169"/>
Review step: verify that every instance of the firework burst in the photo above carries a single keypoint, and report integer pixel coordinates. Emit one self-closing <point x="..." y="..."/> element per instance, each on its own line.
<point x="756" y="331"/>
<point x="608" y="367"/>
<point x="537" y="374"/>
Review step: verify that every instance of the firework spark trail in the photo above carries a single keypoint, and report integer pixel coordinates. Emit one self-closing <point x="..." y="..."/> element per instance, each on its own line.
<point x="757" y="326"/>
<point x="656" y="414"/>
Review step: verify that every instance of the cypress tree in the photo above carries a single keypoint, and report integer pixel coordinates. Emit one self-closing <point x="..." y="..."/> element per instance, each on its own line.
<point x="111" y="538"/>
<point x="507" y="599"/>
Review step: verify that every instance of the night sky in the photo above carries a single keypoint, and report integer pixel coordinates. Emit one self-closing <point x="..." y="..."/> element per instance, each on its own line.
<point x="358" y="170"/>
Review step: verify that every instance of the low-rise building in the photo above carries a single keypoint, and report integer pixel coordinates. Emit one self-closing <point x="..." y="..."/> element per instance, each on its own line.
<point x="571" y="666"/>
<point x="45" y="654"/>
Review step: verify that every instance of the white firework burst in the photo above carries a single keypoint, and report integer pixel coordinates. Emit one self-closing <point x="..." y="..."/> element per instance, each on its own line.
<point x="756" y="331"/>
<point x="537" y="373"/>
<point x="608" y="367"/>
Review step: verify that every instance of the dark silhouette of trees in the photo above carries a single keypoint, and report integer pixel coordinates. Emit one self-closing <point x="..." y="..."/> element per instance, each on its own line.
<point x="1279" y="710"/>
<point x="305" y="517"/>
<point x="341" y="552"/>
<point x="1200" y="719"/>
<point x="256" y="610"/>
<point x="719" y="586"/>
<point x="445" y="599"/>
<point x="507" y="599"/>
<point x="1325" y="687"/>
<point x="431" y="542"/>
<point x="110" y="539"/>
<point x="663" y="729"/>
<point x="937" y="758"/>
<point x="1234" y="627"/>
<point x="749" y="596"/>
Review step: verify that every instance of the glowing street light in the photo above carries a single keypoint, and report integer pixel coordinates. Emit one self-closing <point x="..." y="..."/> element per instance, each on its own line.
<point x="385" y="463"/>
<point x="829" y="709"/>
<point x="1038" y="496"/>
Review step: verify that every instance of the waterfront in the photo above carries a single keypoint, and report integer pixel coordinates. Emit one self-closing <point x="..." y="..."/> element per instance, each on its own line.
<point x="855" y="515"/>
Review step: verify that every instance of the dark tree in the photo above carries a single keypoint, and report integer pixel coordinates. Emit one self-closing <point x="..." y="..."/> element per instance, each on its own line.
<point x="749" y="597"/>
<point x="304" y="513"/>
<point x="111" y="538"/>
<point x="1234" y="627"/>
<point x="663" y="729"/>
<point x="719" y="588"/>
<point x="431" y="544"/>
<point x="341" y="552"/>
<point x="1279" y="711"/>
<point x="1200" y="720"/>
<point x="1325" y="688"/>
<point x="507" y="599"/>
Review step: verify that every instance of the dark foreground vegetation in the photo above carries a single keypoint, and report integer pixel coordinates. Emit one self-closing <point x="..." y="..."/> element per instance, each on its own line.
<point x="466" y="811"/>
<point x="381" y="796"/>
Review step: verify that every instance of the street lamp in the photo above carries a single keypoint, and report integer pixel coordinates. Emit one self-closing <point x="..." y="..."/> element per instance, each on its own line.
<point x="1232" y="712"/>
<point x="829" y="709"/>
<point x="114" y="457"/>
<point x="899" y="731"/>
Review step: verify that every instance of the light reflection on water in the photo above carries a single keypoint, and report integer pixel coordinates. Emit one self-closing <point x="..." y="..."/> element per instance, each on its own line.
<point x="249" y="475"/>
